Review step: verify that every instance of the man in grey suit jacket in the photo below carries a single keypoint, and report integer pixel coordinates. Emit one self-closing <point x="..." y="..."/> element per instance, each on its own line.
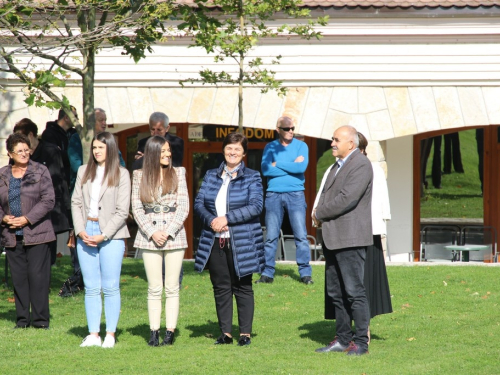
<point x="344" y="210"/>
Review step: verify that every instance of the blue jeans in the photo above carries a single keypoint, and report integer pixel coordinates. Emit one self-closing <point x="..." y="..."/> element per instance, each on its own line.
<point x="101" y="268"/>
<point x="294" y="204"/>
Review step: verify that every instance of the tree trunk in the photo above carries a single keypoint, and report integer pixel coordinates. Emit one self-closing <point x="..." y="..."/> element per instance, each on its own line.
<point x="88" y="124"/>
<point x="242" y="67"/>
<point x="240" y="97"/>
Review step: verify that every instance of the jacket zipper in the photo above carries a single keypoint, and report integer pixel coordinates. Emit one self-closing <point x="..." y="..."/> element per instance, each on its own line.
<point x="231" y="244"/>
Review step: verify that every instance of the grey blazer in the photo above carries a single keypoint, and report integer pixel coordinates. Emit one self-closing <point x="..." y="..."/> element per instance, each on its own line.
<point x="345" y="205"/>
<point x="114" y="204"/>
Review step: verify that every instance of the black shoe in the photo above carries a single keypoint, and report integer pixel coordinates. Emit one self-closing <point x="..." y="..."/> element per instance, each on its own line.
<point x="154" y="339"/>
<point x="244" y="341"/>
<point x="307" y="280"/>
<point x="356" y="350"/>
<point x="169" y="338"/>
<point x="41" y="327"/>
<point x="334" y="346"/>
<point x="223" y="339"/>
<point x="265" y="280"/>
<point x="18" y="327"/>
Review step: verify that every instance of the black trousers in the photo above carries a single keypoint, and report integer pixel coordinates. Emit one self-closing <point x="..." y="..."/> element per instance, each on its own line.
<point x="226" y="283"/>
<point x="480" y="153"/>
<point x="452" y="153"/>
<point x="426" y="145"/>
<point x="344" y="274"/>
<point x="30" y="269"/>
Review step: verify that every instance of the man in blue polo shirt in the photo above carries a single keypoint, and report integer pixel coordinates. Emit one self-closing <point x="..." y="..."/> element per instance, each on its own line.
<point x="283" y="163"/>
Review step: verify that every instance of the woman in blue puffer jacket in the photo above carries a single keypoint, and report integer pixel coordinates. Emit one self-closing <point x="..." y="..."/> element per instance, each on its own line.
<point x="231" y="245"/>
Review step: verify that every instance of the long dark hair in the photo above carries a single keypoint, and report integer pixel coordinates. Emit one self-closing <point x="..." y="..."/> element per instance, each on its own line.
<point x="363" y="143"/>
<point x="112" y="163"/>
<point x="151" y="179"/>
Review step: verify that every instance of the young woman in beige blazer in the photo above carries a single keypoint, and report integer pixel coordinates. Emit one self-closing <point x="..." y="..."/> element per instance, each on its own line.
<point x="160" y="205"/>
<point x="100" y="205"/>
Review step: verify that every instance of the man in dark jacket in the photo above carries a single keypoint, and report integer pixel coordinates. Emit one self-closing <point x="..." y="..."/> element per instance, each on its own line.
<point x="159" y="125"/>
<point x="50" y="156"/>
<point x="63" y="134"/>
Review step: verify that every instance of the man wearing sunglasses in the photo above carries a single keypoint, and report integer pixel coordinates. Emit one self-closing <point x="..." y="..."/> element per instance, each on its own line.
<point x="284" y="162"/>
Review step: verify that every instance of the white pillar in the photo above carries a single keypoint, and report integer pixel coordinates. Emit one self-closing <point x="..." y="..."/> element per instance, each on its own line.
<point x="399" y="158"/>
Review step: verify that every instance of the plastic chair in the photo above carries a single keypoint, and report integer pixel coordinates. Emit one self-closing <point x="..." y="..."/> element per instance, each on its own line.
<point x="434" y="238"/>
<point x="290" y="249"/>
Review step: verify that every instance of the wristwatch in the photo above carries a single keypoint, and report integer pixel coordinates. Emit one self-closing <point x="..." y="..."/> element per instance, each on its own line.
<point x="105" y="237"/>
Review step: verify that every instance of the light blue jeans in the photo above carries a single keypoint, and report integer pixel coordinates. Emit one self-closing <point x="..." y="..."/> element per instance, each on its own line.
<point x="101" y="267"/>
<point x="294" y="203"/>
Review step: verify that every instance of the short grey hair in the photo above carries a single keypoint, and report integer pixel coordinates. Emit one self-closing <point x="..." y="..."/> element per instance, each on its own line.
<point x="158" y="117"/>
<point x="284" y="120"/>
<point x="353" y="133"/>
<point x="99" y="110"/>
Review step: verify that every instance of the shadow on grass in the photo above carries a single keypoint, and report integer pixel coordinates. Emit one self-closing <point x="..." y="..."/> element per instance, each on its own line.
<point x="324" y="332"/>
<point x="8" y="314"/>
<point x="143" y="331"/>
<point x="287" y="273"/>
<point x="321" y="332"/>
<point x="210" y="330"/>
<point x="81" y="331"/>
<point x="436" y="194"/>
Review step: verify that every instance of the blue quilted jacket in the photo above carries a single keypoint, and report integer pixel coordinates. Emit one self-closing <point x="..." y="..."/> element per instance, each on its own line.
<point x="244" y="206"/>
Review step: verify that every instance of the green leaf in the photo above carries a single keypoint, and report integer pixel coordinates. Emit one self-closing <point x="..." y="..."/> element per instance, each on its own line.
<point x="30" y="99"/>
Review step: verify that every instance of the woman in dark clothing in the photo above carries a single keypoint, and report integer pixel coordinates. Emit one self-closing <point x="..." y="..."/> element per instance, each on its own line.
<point x="231" y="245"/>
<point x="49" y="155"/>
<point x="26" y="199"/>
<point x="376" y="282"/>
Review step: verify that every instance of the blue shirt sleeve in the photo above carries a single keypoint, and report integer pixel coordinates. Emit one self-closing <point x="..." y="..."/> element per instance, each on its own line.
<point x="296" y="167"/>
<point x="266" y="165"/>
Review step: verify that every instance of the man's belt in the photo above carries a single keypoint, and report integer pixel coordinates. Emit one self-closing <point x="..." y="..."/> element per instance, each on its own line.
<point x="159" y="209"/>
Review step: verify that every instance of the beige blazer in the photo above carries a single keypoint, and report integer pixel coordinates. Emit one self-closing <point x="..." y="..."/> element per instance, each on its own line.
<point x="114" y="205"/>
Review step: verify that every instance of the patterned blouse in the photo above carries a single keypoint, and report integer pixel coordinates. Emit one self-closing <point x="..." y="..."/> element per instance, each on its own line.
<point x="15" y="200"/>
<point x="172" y="223"/>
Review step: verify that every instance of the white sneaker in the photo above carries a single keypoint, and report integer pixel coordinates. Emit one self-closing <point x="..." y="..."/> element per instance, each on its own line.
<point x="109" y="342"/>
<point x="91" y="340"/>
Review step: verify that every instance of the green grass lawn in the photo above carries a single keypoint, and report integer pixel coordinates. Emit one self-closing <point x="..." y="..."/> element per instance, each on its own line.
<point x="460" y="196"/>
<point x="445" y="321"/>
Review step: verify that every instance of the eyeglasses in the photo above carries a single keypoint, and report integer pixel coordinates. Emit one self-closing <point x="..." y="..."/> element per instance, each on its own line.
<point x="292" y="128"/>
<point x="20" y="152"/>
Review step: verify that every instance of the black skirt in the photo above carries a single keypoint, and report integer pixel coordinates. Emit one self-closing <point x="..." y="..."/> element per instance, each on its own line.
<point x="376" y="283"/>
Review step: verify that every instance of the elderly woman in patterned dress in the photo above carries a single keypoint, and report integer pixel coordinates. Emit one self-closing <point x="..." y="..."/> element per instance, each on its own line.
<point x="160" y="205"/>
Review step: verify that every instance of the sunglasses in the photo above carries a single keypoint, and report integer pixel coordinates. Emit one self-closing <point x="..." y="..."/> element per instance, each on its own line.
<point x="288" y="129"/>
